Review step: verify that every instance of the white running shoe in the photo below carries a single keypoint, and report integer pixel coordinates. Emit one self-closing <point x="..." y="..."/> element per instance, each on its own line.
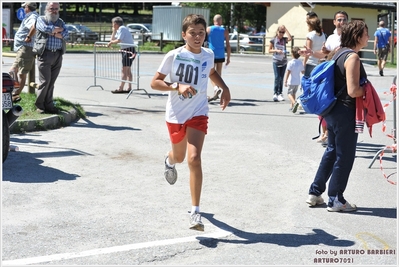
<point x="170" y="173"/>
<point x="314" y="200"/>
<point x="280" y="97"/>
<point x="195" y="222"/>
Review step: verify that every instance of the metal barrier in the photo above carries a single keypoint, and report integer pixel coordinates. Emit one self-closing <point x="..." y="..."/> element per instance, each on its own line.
<point x="108" y="65"/>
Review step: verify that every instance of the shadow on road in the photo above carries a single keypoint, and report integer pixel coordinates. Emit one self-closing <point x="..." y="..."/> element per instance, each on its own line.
<point x="318" y="237"/>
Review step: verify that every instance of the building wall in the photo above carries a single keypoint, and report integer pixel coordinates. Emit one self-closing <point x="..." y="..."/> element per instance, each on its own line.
<point x="293" y="16"/>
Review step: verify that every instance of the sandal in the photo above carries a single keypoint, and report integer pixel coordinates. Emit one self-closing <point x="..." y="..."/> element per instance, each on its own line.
<point x="117" y="91"/>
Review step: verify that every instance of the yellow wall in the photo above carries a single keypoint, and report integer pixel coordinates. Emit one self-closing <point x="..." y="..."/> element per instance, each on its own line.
<point x="293" y="16"/>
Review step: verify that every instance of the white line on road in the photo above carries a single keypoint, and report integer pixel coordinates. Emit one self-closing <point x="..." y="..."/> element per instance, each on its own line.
<point x="100" y="251"/>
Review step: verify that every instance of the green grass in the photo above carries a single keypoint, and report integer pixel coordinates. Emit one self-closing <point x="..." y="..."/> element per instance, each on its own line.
<point x="29" y="109"/>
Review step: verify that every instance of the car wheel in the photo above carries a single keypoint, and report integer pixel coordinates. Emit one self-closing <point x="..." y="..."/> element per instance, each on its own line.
<point x="242" y="49"/>
<point x="148" y="39"/>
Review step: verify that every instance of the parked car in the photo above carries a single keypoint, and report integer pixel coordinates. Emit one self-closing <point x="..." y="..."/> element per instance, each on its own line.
<point x="81" y="33"/>
<point x="137" y="29"/>
<point x="247" y="42"/>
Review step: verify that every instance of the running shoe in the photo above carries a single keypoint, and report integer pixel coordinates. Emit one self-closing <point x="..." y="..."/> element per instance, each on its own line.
<point x="170" y="173"/>
<point x="195" y="222"/>
<point x="338" y="206"/>
<point x="314" y="200"/>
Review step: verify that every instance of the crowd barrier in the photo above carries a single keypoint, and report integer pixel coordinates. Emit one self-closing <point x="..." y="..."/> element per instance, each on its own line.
<point x="108" y="65"/>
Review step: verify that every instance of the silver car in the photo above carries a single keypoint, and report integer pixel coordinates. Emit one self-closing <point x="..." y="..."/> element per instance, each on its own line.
<point x="138" y="29"/>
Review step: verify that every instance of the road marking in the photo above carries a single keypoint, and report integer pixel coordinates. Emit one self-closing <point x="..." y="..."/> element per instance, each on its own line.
<point x="365" y="244"/>
<point x="100" y="251"/>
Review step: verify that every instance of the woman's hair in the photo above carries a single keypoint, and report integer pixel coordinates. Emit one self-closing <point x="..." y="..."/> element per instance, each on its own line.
<point x="279" y="28"/>
<point x="352" y="32"/>
<point x="193" y="19"/>
<point x="314" y="24"/>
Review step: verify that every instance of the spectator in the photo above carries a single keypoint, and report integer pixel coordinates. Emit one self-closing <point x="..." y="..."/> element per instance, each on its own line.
<point x="121" y="34"/>
<point x="50" y="62"/>
<point x="23" y="44"/>
<point x="382" y="45"/>
<point x="338" y="158"/>
<point x="315" y="40"/>
<point x="293" y="77"/>
<point x="187" y="106"/>
<point x="278" y="46"/>
<point x="217" y="35"/>
<point x="4" y="35"/>
<point x="334" y="40"/>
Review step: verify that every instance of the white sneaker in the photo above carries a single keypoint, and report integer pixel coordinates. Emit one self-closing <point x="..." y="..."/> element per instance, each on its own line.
<point x="338" y="206"/>
<point x="275" y="98"/>
<point x="280" y="97"/>
<point x="195" y="222"/>
<point x="314" y="200"/>
<point x="170" y="173"/>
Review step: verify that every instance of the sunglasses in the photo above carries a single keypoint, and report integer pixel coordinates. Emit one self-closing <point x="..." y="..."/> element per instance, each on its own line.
<point x="341" y="20"/>
<point x="281" y="32"/>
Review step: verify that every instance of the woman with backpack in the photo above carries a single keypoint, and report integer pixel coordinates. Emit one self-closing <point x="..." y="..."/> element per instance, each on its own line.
<point x="278" y="46"/>
<point x="337" y="161"/>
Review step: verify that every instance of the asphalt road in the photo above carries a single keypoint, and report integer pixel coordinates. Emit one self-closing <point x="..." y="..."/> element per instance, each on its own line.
<point x="94" y="193"/>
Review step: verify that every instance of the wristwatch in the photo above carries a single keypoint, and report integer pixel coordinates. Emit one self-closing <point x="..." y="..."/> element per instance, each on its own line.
<point x="175" y="86"/>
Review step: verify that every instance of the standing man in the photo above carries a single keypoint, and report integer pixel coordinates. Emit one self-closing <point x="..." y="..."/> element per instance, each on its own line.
<point x="50" y="61"/>
<point x="382" y="47"/>
<point x="216" y="37"/>
<point x="121" y="34"/>
<point x="334" y="40"/>
<point x="23" y="43"/>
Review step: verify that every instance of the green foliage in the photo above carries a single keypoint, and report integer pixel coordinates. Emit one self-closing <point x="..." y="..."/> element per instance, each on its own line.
<point x="29" y="109"/>
<point x="244" y="14"/>
<point x="168" y="47"/>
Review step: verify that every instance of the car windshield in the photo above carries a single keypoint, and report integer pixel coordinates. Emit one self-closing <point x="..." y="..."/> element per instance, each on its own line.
<point x="83" y="28"/>
<point x="149" y="26"/>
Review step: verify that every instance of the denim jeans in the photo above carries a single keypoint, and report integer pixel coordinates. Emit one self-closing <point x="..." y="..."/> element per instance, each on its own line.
<point x="337" y="161"/>
<point x="279" y="72"/>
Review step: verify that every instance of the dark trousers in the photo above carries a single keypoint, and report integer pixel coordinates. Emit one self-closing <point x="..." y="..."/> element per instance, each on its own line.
<point x="337" y="161"/>
<point x="49" y="65"/>
<point x="279" y="72"/>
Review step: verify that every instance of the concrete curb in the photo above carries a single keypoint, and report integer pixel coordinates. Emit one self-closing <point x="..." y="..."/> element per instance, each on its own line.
<point x="52" y="122"/>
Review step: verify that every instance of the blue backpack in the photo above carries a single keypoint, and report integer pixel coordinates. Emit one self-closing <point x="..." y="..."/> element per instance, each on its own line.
<point x="318" y="95"/>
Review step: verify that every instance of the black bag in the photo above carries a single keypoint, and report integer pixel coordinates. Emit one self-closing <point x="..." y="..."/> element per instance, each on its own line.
<point x="40" y="42"/>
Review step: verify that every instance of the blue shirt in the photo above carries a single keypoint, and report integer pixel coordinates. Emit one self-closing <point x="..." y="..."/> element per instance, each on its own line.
<point x="383" y="35"/>
<point x="124" y="35"/>
<point x="216" y="41"/>
<point x="48" y="27"/>
<point x="23" y="31"/>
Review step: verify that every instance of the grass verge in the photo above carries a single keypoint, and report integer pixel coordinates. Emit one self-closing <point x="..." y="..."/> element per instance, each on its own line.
<point x="29" y="109"/>
<point x="30" y="120"/>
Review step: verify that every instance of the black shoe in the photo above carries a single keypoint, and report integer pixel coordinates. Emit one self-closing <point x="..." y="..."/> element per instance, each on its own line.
<point x="381" y="73"/>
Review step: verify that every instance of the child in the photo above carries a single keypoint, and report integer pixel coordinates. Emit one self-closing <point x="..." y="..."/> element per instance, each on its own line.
<point x="293" y="77"/>
<point x="189" y="68"/>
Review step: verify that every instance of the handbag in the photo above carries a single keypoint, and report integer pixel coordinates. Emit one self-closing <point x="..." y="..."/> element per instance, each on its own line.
<point x="40" y="42"/>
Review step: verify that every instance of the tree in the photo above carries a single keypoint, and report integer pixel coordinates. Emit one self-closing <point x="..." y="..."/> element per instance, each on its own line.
<point x="244" y="14"/>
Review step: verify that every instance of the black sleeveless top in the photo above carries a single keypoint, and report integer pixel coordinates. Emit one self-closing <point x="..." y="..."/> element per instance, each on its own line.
<point x="340" y="80"/>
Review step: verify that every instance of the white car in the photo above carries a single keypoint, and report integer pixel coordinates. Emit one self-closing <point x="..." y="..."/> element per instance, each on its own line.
<point x="247" y="43"/>
<point x="141" y="28"/>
